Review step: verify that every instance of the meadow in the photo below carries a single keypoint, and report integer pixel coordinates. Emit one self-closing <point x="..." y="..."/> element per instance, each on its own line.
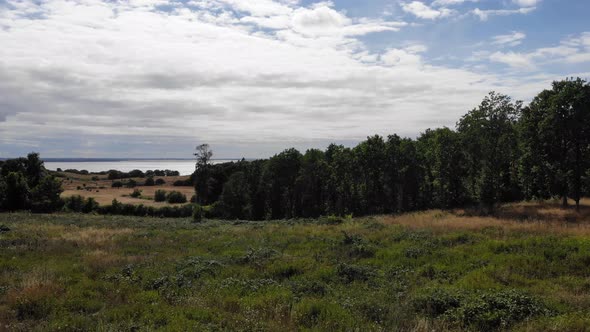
<point x="525" y="269"/>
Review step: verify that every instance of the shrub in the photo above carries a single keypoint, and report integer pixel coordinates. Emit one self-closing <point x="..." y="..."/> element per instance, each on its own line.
<point x="90" y="205"/>
<point x="183" y="183"/>
<point x="482" y="312"/>
<point x="117" y="184"/>
<point x="149" y="182"/>
<point x="197" y="213"/>
<point x="131" y="183"/>
<point x="175" y="197"/>
<point x="160" y="182"/>
<point x="74" y="203"/>
<point x="350" y="273"/>
<point x="136" y="193"/>
<point x="160" y="196"/>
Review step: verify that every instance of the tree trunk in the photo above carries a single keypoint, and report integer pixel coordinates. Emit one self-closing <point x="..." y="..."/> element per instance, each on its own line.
<point x="578" y="205"/>
<point x="564" y="201"/>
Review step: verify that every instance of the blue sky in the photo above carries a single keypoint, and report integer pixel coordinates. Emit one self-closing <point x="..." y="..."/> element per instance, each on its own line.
<point x="154" y="78"/>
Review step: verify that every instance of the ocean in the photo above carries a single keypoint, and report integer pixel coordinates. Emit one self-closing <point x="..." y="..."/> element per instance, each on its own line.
<point x="184" y="166"/>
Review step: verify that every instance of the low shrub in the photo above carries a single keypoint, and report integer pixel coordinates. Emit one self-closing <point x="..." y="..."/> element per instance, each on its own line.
<point x="136" y="193"/>
<point x="160" y="195"/>
<point x="175" y="197"/>
<point x="149" y="182"/>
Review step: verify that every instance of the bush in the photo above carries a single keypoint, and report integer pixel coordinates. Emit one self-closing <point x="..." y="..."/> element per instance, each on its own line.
<point x="90" y="205"/>
<point x="175" y="197"/>
<point x="74" y="203"/>
<point x="160" y="195"/>
<point x="482" y="312"/>
<point x="183" y="183"/>
<point x="149" y="182"/>
<point x="131" y="183"/>
<point x="197" y="213"/>
<point x="160" y="182"/>
<point x="117" y="184"/>
<point x="136" y="193"/>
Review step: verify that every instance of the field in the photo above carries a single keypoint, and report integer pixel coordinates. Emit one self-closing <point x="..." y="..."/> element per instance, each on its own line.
<point x="103" y="193"/>
<point x="526" y="269"/>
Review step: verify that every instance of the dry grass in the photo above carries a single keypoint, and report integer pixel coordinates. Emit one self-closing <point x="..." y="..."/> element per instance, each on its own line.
<point x="539" y="217"/>
<point x="94" y="237"/>
<point x="105" y="196"/>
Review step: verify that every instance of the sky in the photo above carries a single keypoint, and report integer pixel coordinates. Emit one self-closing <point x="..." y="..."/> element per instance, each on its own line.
<point x="155" y="78"/>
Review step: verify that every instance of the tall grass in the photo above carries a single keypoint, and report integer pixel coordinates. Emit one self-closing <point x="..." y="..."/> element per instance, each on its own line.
<point x="434" y="270"/>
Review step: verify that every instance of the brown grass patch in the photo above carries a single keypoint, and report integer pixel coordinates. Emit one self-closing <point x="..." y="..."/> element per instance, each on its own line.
<point x="105" y="196"/>
<point x="544" y="217"/>
<point x="95" y="237"/>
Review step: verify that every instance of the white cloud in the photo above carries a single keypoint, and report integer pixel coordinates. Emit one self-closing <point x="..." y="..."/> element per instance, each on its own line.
<point x="421" y="10"/>
<point x="569" y="51"/>
<point x="485" y="14"/>
<point x="450" y="2"/>
<point x="515" y="60"/>
<point x="526" y="3"/>
<point x="513" y="39"/>
<point x="120" y="72"/>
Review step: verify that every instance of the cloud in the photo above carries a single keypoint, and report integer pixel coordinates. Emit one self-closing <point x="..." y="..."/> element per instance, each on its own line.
<point x="450" y="2"/>
<point x="573" y="50"/>
<point x="513" y="39"/>
<point x="485" y="14"/>
<point x="258" y="75"/>
<point x="515" y="60"/>
<point x="526" y="3"/>
<point x="419" y="9"/>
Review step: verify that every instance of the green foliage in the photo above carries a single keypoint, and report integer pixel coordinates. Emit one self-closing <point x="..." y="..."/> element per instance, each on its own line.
<point x="160" y="195"/>
<point x="45" y="197"/>
<point x="117" y="184"/>
<point x="197" y="213"/>
<point x="17" y="191"/>
<point x="149" y="182"/>
<point x="488" y="311"/>
<point x="136" y="193"/>
<point x="175" y="197"/>
<point x="235" y="199"/>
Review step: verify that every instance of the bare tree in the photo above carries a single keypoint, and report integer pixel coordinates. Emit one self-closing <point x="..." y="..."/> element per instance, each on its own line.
<point x="203" y="154"/>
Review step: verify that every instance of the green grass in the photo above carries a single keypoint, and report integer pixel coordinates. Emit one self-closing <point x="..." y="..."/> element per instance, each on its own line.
<point x="81" y="272"/>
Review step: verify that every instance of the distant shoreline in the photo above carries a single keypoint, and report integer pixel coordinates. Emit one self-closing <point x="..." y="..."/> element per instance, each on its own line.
<point x="98" y="160"/>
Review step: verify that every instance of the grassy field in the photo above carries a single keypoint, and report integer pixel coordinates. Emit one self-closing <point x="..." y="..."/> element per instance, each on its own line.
<point x="527" y="269"/>
<point x="103" y="193"/>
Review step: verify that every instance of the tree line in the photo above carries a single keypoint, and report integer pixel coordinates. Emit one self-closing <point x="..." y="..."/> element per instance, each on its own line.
<point x="498" y="152"/>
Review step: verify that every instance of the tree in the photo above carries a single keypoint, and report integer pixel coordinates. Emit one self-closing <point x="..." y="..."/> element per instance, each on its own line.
<point x="45" y="197"/>
<point x="35" y="170"/>
<point x="563" y="127"/>
<point x="310" y="185"/>
<point x="202" y="174"/>
<point x="235" y="199"/>
<point x="443" y="160"/>
<point x="489" y="137"/>
<point x="278" y="180"/>
<point x="18" y="195"/>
